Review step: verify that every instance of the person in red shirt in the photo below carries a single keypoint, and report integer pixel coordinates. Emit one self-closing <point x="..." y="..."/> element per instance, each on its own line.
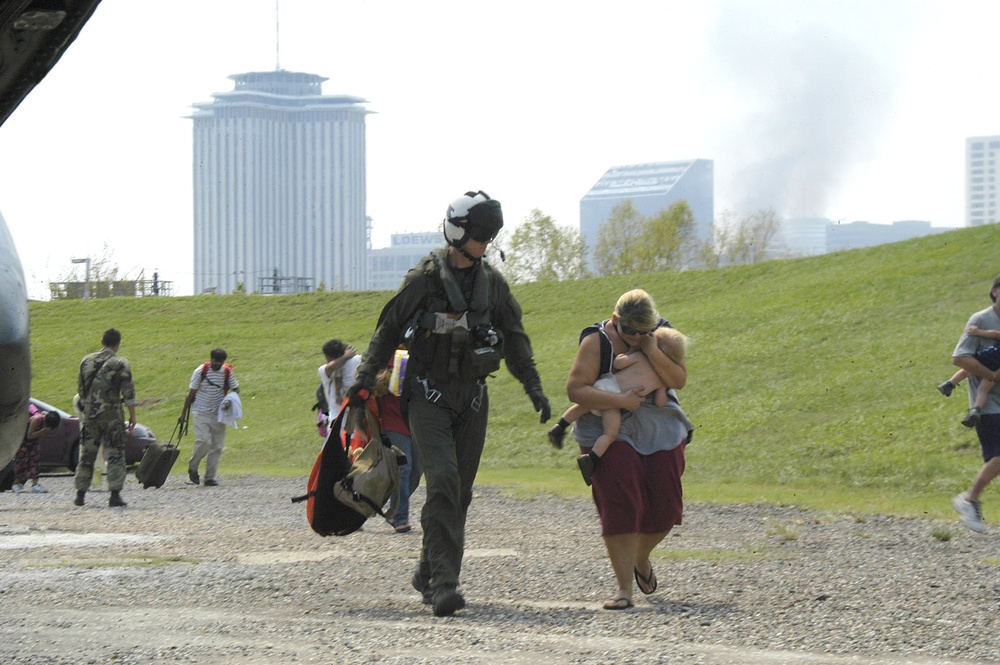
<point x="394" y="427"/>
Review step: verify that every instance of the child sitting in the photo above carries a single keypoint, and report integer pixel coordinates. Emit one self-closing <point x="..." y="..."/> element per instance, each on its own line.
<point x="634" y="372"/>
<point x="990" y="357"/>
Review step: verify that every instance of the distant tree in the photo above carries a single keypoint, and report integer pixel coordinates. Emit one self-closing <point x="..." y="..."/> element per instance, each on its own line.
<point x="743" y="242"/>
<point x="710" y="252"/>
<point x="102" y="269"/>
<point x="618" y="240"/>
<point x="100" y="281"/>
<point x="669" y="240"/>
<point x="540" y="250"/>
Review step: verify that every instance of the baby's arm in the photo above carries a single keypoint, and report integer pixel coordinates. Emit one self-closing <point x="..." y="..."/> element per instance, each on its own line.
<point x="982" y="332"/>
<point x="638" y="374"/>
<point x="623" y="360"/>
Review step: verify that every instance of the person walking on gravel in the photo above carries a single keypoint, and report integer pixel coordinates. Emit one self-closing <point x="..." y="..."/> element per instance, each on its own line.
<point x="104" y="385"/>
<point x="988" y="427"/>
<point x="459" y="319"/>
<point x="637" y="487"/>
<point x="210" y="383"/>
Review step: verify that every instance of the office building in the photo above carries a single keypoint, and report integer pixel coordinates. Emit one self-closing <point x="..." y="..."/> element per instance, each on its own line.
<point x="651" y="188"/>
<point x="279" y="187"/>
<point x="390" y="264"/>
<point x="816" y="235"/>
<point x="841" y="237"/>
<point x="981" y="180"/>
<point x="802" y="236"/>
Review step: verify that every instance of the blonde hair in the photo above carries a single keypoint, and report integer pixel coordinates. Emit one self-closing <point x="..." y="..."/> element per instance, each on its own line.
<point x="382" y="382"/>
<point x="672" y="342"/>
<point x="637" y="309"/>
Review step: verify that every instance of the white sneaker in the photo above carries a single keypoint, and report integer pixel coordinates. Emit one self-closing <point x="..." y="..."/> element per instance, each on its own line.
<point x="970" y="512"/>
<point x="38" y="489"/>
<point x="16" y="489"/>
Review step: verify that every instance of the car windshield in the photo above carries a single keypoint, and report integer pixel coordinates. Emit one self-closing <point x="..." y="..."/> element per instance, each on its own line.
<point x="42" y="406"/>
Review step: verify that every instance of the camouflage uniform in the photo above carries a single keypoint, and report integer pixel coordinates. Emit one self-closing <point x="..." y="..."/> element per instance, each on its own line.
<point x="103" y="416"/>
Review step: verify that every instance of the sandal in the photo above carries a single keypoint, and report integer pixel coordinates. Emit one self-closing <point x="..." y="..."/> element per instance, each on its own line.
<point x="618" y="604"/>
<point x="647" y="585"/>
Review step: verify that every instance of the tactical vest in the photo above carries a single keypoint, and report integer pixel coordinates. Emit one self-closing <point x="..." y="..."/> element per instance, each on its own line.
<point x="452" y="337"/>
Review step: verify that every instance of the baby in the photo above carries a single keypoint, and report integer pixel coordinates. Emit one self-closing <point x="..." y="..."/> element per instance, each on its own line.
<point x="633" y="371"/>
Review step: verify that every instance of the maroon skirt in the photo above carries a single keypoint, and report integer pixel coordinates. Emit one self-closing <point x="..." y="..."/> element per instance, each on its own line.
<point x="639" y="493"/>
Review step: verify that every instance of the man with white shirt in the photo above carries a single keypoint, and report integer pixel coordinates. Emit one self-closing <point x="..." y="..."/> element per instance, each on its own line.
<point x="210" y="383"/>
<point x="337" y="374"/>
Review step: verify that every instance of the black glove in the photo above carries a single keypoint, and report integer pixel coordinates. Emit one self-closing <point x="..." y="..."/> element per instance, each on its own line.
<point x="355" y="397"/>
<point x="541" y="403"/>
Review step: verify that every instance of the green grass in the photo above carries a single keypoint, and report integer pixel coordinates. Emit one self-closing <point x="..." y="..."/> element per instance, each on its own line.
<point x="811" y="381"/>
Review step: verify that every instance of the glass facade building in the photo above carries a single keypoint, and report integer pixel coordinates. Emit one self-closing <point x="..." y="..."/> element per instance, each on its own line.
<point x="279" y="187"/>
<point x="651" y="188"/>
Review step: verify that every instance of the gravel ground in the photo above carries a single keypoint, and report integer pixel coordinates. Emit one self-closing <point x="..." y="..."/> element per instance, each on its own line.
<point x="190" y="574"/>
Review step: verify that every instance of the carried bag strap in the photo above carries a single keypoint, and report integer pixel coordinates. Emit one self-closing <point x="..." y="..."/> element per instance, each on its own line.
<point x="372" y="426"/>
<point x="374" y="506"/>
<point x="337" y="424"/>
<point x="90" y="379"/>
<point x="179" y="430"/>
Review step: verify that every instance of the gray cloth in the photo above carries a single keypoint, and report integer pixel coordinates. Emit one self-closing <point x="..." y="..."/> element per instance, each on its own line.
<point x="968" y="345"/>
<point x="648" y="429"/>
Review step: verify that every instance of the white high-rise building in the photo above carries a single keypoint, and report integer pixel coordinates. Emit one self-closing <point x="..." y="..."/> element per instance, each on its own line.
<point x="981" y="180"/>
<point x="279" y="187"/>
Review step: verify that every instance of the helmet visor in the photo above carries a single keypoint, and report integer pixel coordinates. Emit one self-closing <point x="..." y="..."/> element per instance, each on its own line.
<point x="485" y="221"/>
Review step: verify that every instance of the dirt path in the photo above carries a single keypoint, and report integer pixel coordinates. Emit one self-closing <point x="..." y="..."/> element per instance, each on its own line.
<point x="233" y="574"/>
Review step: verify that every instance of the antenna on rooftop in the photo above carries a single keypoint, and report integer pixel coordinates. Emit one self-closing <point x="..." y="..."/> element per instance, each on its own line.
<point x="277" y="36"/>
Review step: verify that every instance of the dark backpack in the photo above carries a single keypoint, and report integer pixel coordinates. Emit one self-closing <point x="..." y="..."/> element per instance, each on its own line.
<point x="321" y="403"/>
<point x="326" y="515"/>
<point x="337" y="494"/>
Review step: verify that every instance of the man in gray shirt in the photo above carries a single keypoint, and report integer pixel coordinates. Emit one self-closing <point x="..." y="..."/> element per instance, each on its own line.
<point x="988" y="428"/>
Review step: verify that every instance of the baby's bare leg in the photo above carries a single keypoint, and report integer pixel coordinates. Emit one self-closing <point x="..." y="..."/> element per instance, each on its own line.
<point x="574" y="412"/>
<point x="612" y="421"/>
<point x="982" y="394"/>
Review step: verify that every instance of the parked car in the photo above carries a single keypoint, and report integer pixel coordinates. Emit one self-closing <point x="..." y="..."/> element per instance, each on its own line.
<point x="61" y="447"/>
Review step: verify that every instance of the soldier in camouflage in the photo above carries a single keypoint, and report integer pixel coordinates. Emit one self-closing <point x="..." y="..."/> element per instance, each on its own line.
<point x="104" y="385"/>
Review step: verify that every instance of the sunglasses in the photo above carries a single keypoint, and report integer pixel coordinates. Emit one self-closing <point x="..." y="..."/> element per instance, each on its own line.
<point x="629" y="330"/>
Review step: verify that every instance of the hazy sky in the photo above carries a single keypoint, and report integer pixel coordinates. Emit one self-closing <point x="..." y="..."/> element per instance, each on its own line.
<point x="847" y="110"/>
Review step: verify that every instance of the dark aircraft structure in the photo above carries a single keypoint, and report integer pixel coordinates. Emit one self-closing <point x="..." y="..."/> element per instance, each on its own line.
<point x="33" y="36"/>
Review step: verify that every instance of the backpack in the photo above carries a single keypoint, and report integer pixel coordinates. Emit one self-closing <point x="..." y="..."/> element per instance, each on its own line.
<point x="227" y="369"/>
<point x="336" y="506"/>
<point x="322" y="409"/>
<point x="321" y="404"/>
<point x="374" y="475"/>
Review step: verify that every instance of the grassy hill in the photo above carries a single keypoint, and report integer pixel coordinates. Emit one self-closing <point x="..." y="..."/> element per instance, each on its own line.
<point x="806" y="377"/>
